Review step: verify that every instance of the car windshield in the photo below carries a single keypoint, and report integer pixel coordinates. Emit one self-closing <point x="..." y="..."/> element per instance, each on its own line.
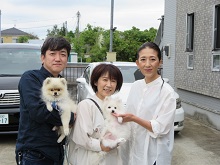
<point x="130" y="73"/>
<point x="15" y="61"/>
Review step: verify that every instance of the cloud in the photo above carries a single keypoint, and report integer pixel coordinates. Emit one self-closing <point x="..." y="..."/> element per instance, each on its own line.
<point x="38" y="16"/>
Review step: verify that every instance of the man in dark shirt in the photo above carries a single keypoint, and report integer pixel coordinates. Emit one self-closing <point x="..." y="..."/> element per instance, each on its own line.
<point x="37" y="142"/>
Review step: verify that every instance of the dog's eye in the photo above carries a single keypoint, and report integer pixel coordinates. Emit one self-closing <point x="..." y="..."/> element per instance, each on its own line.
<point x="109" y="107"/>
<point x="52" y="90"/>
<point x="58" y="89"/>
<point x="115" y="107"/>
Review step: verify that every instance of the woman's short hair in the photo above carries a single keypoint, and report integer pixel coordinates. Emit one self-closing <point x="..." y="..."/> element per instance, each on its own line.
<point x="102" y="69"/>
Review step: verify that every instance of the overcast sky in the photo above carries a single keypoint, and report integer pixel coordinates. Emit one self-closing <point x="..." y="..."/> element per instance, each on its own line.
<point x="36" y="16"/>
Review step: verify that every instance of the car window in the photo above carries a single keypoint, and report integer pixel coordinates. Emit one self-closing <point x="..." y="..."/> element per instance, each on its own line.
<point x="17" y="60"/>
<point x="138" y="75"/>
<point x="86" y="74"/>
<point x="129" y="73"/>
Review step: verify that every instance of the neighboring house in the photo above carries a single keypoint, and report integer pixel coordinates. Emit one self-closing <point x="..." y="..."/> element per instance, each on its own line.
<point x="11" y="35"/>
<point x="191" y="55"/>
<point x="35" y="41"/>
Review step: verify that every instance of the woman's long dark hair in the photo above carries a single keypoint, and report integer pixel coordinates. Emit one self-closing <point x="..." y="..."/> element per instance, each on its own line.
<point x="151" y="45"/>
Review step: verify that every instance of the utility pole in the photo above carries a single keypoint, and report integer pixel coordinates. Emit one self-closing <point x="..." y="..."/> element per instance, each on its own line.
<point x="77" y="27"/>
<point x="77" y="34"/>
<point x="111" y="26"/>
<point x="111" y="56"/>
<point x="0" y="27"/>
<point x="65" y="27"/>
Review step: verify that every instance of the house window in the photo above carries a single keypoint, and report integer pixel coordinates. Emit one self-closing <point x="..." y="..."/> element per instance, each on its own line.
<point x="217" y="28"/>
<point x="216" y="62"/>
<point x="189" y="32"/>
<point x="190" y="60"/>
<point x="14" y="40"/>
<point x="2" y="40"/>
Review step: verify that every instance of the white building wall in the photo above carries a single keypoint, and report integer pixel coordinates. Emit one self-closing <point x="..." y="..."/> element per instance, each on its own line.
<point x="169" y="39"/>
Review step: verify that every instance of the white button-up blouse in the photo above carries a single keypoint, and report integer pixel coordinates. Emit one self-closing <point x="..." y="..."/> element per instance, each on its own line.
<point x="156" y="103"/>
<point x="84" y="144"/>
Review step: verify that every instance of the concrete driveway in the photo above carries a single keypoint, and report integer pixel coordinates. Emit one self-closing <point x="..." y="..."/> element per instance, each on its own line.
<point x="196" y="144"/>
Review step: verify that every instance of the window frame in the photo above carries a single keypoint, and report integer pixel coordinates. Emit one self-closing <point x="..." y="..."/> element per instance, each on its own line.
<point x="14" y="39"/>
<point x="188" y="61"/>
<point x="213" y="66"/>
<point x="190" y="24"/>
<point x="216" y="30"/>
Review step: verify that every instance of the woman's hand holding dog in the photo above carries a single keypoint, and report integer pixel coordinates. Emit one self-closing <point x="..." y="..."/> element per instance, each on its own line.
<point x="127" y="117"/>
<point x="106" y="149"/>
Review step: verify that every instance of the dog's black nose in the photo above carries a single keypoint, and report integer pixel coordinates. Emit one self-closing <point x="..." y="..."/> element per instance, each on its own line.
<point x="113" y="111"/>
<point x="55" y="93"/>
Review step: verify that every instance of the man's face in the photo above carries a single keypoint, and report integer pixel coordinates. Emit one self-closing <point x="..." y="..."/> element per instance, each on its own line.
<point x="55" y="61"/>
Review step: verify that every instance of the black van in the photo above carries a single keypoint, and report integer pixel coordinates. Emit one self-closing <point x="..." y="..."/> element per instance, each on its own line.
<point x="15" y="59"/>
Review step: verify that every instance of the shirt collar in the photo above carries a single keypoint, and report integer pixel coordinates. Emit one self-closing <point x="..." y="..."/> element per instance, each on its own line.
<point x="47" y="73"/>
<point x="156" y="81"/>
<point x="98" y="100"/>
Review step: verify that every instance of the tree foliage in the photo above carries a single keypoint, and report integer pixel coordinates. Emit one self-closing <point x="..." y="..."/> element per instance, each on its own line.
<point x="93" y="42"/>
<point x="24" y="39"/>
<point x="57" y="31"/>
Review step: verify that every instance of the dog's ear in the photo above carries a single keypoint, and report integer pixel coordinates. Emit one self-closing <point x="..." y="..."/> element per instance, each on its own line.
<point x="118" y="100"/>
<point x="47" y="80"/>
<point x="63" y="80"/>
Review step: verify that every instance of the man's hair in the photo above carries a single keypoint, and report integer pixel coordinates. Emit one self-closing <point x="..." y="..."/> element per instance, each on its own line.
<point x="55" y="43"/>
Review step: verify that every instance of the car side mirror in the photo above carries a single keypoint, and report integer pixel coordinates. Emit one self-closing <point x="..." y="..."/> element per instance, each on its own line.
<point x="81" y="80"/>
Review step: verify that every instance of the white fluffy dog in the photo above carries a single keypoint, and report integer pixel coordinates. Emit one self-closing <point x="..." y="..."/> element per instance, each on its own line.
<point x="115" y="132"/>
<point x="54" y="91"/>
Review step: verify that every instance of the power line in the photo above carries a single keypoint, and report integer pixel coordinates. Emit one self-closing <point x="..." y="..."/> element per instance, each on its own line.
<point x="41" y="26"/>
<point x="20" y="22"/>
<point x="37" y="21"/>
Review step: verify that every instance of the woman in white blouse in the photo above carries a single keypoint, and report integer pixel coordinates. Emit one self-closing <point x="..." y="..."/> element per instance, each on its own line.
<point x="106" y="79"/>
<point x="151" y="108"/>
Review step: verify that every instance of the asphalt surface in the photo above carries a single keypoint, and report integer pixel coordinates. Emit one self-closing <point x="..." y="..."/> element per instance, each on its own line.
<point x="196" y="144"/>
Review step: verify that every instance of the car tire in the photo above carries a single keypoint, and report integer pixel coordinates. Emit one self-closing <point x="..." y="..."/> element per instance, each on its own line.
<point x="77" y="96"/>
<point x="176" y="132"/>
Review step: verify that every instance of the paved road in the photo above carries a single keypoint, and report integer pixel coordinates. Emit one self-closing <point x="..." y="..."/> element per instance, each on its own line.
<point x="197" y="144"/>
